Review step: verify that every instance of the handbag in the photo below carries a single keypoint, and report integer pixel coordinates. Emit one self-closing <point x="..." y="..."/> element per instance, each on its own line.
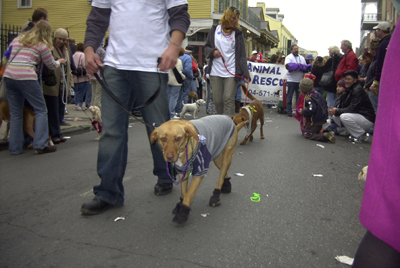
<point x="49" y="77"/>
<point x="80" y="71"/>
<point x="3" y="93"/>
<point x="328" y="78"/>
<point x="178" y="76"/>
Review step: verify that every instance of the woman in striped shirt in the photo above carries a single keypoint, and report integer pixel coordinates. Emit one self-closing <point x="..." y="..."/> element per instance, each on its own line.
<point x="22" y="82"/>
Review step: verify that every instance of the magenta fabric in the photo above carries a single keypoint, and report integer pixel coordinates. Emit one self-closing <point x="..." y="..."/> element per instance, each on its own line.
<point x="380" y="209"/>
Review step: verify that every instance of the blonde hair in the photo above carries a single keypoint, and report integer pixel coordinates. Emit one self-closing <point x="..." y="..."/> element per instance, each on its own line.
<point x="226" y="18"/>
<point x="41" y="33"/>
<point x="334" y="50"/>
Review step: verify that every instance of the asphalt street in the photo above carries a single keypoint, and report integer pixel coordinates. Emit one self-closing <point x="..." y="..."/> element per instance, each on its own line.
<point x="299" y="221"/>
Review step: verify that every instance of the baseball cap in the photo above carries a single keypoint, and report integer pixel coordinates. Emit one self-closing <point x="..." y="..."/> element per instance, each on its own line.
<point x="383" y="25"/>
<point x="254" y="52"/>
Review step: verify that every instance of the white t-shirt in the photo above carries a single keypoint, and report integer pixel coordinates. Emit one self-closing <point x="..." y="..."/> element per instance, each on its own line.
<point x="139" y="32"/>
<point x="295" y="76"/>
<point x="226" y="45"/>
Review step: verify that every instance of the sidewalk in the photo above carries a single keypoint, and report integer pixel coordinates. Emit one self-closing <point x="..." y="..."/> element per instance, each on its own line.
<point x="79" y="120"/>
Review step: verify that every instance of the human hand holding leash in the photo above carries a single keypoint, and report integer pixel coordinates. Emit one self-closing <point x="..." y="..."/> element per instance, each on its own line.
<point x="217" y="54"/>
<point x="92" y="61"/>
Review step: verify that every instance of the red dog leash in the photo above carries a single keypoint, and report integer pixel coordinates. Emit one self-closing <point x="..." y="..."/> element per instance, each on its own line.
<point x="247" y="90"/>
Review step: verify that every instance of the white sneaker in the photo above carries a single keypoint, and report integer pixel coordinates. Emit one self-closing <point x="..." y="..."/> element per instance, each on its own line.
<point x="176" y="117"/>
<point x="78" y="108"/>
<point x="188" y="114"/>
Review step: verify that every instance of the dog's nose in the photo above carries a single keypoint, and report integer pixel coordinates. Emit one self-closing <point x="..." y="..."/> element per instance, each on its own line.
<point x="170" y="156"/>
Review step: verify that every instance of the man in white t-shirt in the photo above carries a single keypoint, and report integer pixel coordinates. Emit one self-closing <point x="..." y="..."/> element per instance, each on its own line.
<point x="296" y="66"/>
<point x="139" y="33"/>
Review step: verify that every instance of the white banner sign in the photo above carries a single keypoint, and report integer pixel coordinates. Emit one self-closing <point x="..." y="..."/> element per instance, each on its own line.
<point x="266" y="81"/>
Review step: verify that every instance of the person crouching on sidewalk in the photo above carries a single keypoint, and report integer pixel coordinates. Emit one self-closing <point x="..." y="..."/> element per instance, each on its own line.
<point x="314" y="112"/>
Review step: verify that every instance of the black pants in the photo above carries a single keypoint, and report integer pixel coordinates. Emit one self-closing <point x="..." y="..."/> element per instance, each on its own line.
<point x="373" y="252"/>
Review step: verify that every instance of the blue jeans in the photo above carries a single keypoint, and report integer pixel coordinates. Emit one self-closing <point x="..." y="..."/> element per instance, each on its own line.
<point x="128" y="86"/>
<point x="17" y="91"/>
<point x="374" y="99"/>
<point x="80" y="91"/>
<point x="330" y="98"/>
<point x="238" y="96"/>
<point x="88" y="96"/>
<point x="173" y="95"/>
<point x="293" y="87"/>
<point x="183" y="95"/>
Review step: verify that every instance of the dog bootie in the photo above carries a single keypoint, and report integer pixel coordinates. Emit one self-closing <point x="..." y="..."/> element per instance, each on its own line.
<point x="182" y="213"/>
<point x="227" y="186"/>
<point x="214" y="200"/>
<point x="176" y="209"/>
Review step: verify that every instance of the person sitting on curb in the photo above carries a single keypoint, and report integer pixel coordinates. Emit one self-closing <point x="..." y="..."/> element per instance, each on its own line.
<point x="314" y="113"/>
<point x="356" y="114"/>
<point x="340" y="89"/>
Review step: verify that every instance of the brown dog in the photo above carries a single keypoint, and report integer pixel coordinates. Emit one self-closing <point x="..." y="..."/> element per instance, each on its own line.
<point x="215" y="140"/>
<point x="28" y="118"/>
<point x="255" y="110"/>
<point x="192" y="96"/>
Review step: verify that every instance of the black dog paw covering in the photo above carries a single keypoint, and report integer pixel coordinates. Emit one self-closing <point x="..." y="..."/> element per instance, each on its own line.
<point x="214" y="200"/>
<point x="182" y="213"/>
<point x="227" y="186"/>
<point x="176" y="209"/>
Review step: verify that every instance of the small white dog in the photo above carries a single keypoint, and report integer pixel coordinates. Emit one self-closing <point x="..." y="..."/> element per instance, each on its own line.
<point x="192" y="107"/>
<point x="362" y="176"/>
<point x="96" y="120"/>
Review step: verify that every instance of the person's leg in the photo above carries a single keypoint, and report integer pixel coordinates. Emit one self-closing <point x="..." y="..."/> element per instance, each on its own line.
<point x="330" y="98"/>
<point x="88" y="99"/>
<point x="33" y="93"/>
<point x="16" y="102"/>
<point x="291" y="88"/>
<point x="313" y="132"/>
<point x="296" y="90"/>
<point x="52" y="116"/>
<point x="113" y="144"/>
<point x="183" y="95"/>
<point x="217" y="85"/>
<point x="173" y="95"/>
<point x="356" y="124"/>
<point x="374" y="100"/>
<point x="373" y="252"/>
<point x="229" y="95"/>
<point x="79" y="94"/>
<point x="144" y="84"/>
<point x="61" y="109"/>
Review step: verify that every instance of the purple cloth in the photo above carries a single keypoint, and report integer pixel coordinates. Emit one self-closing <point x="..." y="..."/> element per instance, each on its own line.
<point x="380" y="209"/>
<point x="299" y="67"/>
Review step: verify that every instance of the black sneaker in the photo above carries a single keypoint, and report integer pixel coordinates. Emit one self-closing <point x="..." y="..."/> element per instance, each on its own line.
<point x="94" y="207"/>
<point x="137" y="113"/>
<point x="162" y="188"/>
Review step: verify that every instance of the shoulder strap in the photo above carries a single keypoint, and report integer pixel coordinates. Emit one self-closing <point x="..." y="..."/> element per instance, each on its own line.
<point x="16" y="53"/>
<point x="79" y="61"/>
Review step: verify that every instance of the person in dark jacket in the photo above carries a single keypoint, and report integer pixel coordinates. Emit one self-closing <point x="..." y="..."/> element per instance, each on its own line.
<point x="331" y="65"/>
<point x="38" y="15"/>
<point x="356" y="114"/>
<point x="366" y="61"/>
<point x="314" y="112"/>
<point x="225" y="45"/>
<point x="318" y="70"/>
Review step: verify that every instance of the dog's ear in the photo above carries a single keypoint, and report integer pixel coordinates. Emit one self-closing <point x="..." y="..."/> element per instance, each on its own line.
<point x="154" y="136"/>
<point x="191" y="133"/>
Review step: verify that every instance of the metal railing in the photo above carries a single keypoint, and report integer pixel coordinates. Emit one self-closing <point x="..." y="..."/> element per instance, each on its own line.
<point x="7" y="34"/>
<point x="245" y="13"/>
<point x="372" y="17"/>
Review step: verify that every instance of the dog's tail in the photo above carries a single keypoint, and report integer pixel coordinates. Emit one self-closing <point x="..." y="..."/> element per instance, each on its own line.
<point x="240" y="125"/>
<point x="249" y="95"/>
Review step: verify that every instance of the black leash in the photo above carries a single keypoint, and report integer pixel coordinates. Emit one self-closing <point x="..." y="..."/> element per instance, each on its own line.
<point x="103" y="83"/>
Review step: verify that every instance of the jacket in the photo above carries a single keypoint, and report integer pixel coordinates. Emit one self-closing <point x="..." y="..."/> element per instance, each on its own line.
<point x="240" y="53"/>
<point x="348" y="62"/>
<point x="55" y="90"/>
<point x="328" y="67"/>
<point x="79" y="59"/>
<point x="187" y="65"/>
<point x="370" y="74"/>
<point x="171" y="76"/>
<point x="318" y="72"/>
<point x="315" y="109"/>
<point x="356" y="100"/>
<point x="380" y="56"/>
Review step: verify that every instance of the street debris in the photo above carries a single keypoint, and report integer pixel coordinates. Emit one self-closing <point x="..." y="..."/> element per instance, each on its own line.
<point x="205" y="215"/>
<point x="320" y="145"/>
<point x="239" y="174"/>
<point x="255" y="198"/>
<point x="268" y="121"/>
<point x="318" y="175"/>
<point x="240" y="153"/>
<point x="120" y="219"/>
<point x="345" y="260"/>
<point x="67" y="137"/>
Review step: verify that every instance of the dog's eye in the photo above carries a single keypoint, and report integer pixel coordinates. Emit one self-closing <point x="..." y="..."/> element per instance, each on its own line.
<point x="178" y="138"/>
<point x="163" y="139"/>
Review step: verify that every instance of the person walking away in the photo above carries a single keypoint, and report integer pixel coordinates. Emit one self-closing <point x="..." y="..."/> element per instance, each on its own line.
<point x="21" y="80"/>
<point x="56" y="95"/>
<point x="132" y="76"/>
<point x="186" y="85"/>
<point x="81" y="79"/>
<point x="225" y="45"/>
<point x="296" y="67"/>
<point x="174" y="87"/>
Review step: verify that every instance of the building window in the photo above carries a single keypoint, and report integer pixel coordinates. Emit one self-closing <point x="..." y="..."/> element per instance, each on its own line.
<point x="24" y="3"/>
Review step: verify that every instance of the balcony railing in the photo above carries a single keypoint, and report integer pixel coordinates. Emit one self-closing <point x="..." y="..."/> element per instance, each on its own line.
<point x="245" y="13"/>
<point x="372" y="17"/>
